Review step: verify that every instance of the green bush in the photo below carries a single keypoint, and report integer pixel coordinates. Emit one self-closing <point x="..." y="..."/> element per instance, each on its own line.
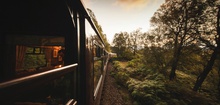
<point x="135" y="63"/>
<point x="147" y="92"/>
<point x="141" y="73"/>
<point x="116" y="65"/>
<point x="34" y="61"/>
<point x="122" y="78"/>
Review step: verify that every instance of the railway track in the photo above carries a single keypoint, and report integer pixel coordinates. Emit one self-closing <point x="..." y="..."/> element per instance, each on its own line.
<point x="110" y="93"/>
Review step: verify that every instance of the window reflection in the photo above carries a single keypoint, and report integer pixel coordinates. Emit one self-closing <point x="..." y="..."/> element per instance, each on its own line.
<point x="97" y="50"/>
<point x="97" y="71"/>
<point x="37" y="53"/>
<point x="98" y="64"/>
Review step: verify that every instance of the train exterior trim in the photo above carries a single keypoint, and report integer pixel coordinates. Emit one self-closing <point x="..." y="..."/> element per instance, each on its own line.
<point x="52" y="53"/>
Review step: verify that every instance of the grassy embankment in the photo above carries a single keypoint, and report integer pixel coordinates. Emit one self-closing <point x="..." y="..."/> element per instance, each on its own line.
<point x="140" y="86"/>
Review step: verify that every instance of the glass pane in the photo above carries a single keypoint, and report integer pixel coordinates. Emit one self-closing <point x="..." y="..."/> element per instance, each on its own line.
<point x="97" y="71"/>
<point x="45" y="53"/>
<point x="37" y="50"/>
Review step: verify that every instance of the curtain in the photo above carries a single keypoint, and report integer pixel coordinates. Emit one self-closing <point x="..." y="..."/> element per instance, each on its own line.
<point x="20" y="53"/>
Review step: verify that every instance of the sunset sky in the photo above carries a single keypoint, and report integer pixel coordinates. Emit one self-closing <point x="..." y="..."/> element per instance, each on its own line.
<point x="123" y="15"/>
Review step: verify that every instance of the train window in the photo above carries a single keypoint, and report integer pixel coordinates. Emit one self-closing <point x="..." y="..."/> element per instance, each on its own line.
<point x="38" y="50"/>
<point x="34" y="50"/>
<point x="98" y="65"/>
<point x="36" y="53"/>
<point x="30" y="61"/>
<point x="97" y="71"/>
<point x="97" y="50"/>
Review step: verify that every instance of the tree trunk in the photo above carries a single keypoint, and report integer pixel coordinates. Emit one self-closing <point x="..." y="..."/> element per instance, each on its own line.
<point x="211" y="62"/>
<point x="177" y="49"/>
<point x="135" y="48"/>
<point x="207" y="69"/>
<point x="175" y="63"/>
<point x="173" y="70"/>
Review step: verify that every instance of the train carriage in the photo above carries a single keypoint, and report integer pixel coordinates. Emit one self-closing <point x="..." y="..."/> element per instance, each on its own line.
<point x="51" y="53"/>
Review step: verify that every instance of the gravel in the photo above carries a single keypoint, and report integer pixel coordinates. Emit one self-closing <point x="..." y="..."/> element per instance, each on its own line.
<point x="110" y="93"/>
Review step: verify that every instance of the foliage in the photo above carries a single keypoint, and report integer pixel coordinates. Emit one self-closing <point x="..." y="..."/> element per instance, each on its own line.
<point x="135" y="63"/>
<point x="126" y="55"/>
<point x="121" y="44"/>
<point x="181" y="42"/>
<point x="179" y="22"/>
<point x="34" y="61"/>
<point x="116" y="65"/>
<point x="128" y="45"/>
<point x="150" y="87"/>
<point x="146" y="92"/>
<point x="193" y="59"/>
<point x="157" y="58"/>
<point x="135" y="40"/>
<point x="214" y="54"/>
<point x="99" y="28"/>
<point x="122" y="78"/>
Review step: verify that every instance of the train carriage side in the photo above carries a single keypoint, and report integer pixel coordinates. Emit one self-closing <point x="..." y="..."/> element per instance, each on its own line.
<point x="51" y="53"/>
<point x="95" y="47"/>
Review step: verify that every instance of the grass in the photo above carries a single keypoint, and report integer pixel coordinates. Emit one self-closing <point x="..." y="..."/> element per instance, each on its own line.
<point x="165" y="92"/>
<point x="123" y="64"/>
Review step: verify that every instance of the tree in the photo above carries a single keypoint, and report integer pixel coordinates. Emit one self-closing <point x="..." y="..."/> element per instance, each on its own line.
<point x="120" y="42"/>
<point x="214" y="55"/>
<point x="99" y="28"/>
<point x="180" y="19"/>
<point x="135" y="38"/>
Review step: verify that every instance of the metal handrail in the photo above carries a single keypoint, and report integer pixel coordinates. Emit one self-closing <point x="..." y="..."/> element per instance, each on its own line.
<point x="98" y="87"/>
<point x="71" y="102"/>
<point x="35" y="76"/>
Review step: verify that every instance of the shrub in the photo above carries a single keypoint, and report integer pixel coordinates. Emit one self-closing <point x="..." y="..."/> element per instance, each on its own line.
<point x="122" y="78"/>
<point x="116" y="65"/>
<point x="135" y="63"/>
<point x="147" y="92"/>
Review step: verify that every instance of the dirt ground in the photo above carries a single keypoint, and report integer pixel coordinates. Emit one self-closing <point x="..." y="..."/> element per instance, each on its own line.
<point x="111" y="94"/>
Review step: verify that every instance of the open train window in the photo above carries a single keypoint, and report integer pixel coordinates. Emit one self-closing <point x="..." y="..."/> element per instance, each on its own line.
<point x="36" y="53"/>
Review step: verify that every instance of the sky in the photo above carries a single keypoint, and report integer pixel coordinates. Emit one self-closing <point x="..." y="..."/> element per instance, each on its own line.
<point x="116" y="16"/>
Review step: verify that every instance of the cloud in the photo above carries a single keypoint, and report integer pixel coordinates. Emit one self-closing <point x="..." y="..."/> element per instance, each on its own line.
<point x="132" y="4"/>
